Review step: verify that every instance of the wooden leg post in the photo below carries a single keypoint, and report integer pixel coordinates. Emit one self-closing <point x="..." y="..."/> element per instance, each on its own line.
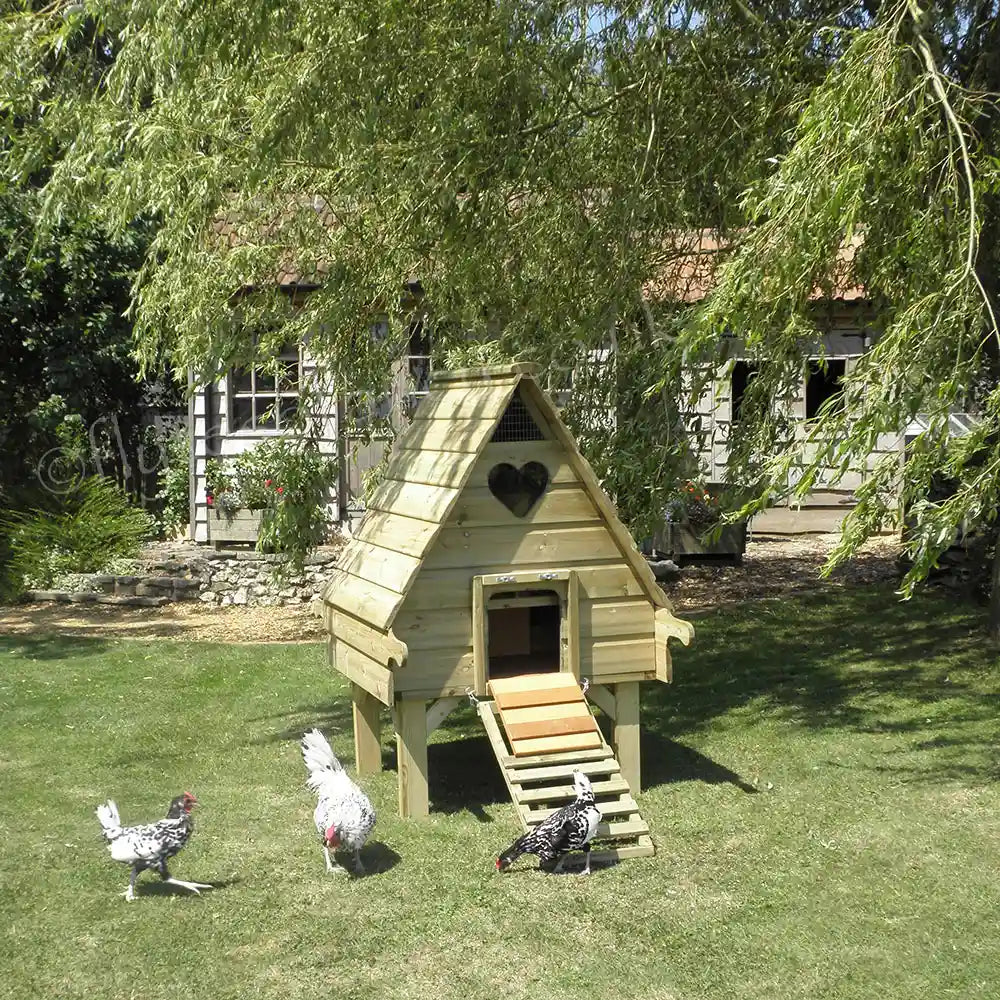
<point x="411" y="754"/>
<point x="367" y="731"/>
<point x="627" y="732"/>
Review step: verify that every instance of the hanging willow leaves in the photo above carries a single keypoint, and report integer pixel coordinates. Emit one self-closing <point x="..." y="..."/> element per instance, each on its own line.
<point x="533" y="170"/>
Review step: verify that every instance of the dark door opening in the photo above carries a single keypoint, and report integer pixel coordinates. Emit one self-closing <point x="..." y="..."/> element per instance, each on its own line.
<point x="524" y="633"/>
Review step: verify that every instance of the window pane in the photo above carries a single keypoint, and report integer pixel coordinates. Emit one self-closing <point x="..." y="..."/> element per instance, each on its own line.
<point x="265" y="381"/>
<point x="744" y="372"/>
<point x="420" y="340"/>
<point x="288" y="376"/>
<point x="266" y="417"/>
<point x="287" y="408"/>
<point x="242" y="416"/>
<point x="382" y="407"/>
<point x="420" y="374"/>
<point x="241" y="380"/>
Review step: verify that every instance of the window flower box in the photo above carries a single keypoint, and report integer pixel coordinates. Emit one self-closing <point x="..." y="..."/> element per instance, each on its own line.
<point x="681" y="539"/>
<point x="226" y="526"/>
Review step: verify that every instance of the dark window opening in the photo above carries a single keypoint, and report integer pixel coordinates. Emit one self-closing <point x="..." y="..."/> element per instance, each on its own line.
<point x="517" y="424"/>
<point x="823" y="382"/>
<point x="524" y="633"/>
<point x="744" y="372"/>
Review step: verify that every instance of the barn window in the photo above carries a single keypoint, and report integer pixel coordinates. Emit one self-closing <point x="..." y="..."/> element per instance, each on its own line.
<point x="823" y="382"/>
<point x="409" y="381"/>
<point x="517" y="423"/>
<point x="266" y="398"/>
<point x="418" y="365"/>
<point x="744" y="372"/>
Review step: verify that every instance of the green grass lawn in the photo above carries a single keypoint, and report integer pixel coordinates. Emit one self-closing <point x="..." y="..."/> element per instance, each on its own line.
<point x="821" y="781"/>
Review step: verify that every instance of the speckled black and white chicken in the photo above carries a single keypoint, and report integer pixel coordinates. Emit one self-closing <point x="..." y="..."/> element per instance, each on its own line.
<point x="344" y="815"/>
<point x="570" y="829"/>
<point x="152" y="845"/>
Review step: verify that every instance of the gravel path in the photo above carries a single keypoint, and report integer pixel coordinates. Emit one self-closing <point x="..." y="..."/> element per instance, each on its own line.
<point x="773" y="567"/>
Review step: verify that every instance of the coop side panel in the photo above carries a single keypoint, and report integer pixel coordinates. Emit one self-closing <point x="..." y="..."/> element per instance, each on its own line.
<point x="515" y="547"/>
<point x="618" y="660"/>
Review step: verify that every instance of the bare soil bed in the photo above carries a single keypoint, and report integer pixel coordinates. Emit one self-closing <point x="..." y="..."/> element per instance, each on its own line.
<point x="773" y="567"/>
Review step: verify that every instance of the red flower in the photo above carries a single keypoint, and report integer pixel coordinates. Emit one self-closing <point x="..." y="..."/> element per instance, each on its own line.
<point x="267" y="482"/>
<point x="281" y="489"/>
<point x="209" y="499"/>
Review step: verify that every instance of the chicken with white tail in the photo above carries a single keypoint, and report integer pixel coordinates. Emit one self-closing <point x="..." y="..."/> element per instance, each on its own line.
<point x="152" y="845"/>
<point x="344" y="815"/>
<point x="569" y="829"/>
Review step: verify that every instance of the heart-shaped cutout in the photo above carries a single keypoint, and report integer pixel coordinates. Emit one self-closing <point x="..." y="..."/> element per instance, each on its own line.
<point x="518" y="489"/>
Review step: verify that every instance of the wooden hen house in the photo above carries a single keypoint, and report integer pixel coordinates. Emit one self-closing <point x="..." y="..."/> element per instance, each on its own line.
<point x="492" y="563"/>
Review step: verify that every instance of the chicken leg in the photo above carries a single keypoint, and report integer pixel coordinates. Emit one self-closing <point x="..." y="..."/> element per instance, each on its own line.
<point x="331" y="866"/>
<point x="359" y="868"/>
<point x="129" y="893"/>
<point x="190" y="886"/>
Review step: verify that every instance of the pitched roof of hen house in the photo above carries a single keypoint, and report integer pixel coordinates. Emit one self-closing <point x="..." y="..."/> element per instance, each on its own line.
<point x="429" y="466"/>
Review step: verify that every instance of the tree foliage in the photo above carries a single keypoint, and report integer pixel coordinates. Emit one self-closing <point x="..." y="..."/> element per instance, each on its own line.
<point x="534" y="167"/>
<point x="891" y="154"/>
<point x="66" y="345"/>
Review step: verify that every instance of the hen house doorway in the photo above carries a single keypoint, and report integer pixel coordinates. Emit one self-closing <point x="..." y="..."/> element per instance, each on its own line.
<point x="525" y="631"/>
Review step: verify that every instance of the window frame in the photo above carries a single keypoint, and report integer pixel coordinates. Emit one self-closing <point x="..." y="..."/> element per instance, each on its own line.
<point x="291" y="352"/>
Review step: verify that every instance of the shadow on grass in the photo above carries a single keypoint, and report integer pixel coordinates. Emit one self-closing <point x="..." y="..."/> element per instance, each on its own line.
<point x="332" y="718"/>
<point x="158" y="888"/>
<point x="464" y="776"/>
<point x="51" y="647"/>
<point x="855" y="659"/>
<point x="665" y="762"/>
<point x="378" y="858"/>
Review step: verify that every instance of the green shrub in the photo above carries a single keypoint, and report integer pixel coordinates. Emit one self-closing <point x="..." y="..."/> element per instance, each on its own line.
<point x="93" y="524"/>
<point x="175" y="482"/>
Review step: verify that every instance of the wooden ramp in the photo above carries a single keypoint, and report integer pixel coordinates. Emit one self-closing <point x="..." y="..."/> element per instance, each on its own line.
<point x="548" y="732"/>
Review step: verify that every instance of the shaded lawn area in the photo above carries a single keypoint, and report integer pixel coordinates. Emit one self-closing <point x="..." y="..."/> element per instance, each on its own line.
<point x="821" y="781"/>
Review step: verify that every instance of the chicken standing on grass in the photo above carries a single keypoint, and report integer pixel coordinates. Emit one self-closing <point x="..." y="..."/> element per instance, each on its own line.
<point x="344" y="815"/>
<point x="570" y="829"/>
<point x="152" y="845"/>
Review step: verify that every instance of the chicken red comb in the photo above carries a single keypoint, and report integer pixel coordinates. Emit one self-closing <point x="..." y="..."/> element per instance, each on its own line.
<point x="190" y="797"/>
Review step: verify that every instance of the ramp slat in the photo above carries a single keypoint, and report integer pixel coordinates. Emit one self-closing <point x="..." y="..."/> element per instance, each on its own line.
<point x="543" y="696"/>
<point x="547" y="744"/>
<point x="501" y="686"/>
<point x="561" y="793"/>
<point x="566" y="726"/>
<point x="602" y="752"/>
<point x="626" y="807"/>
<point x="589" y="768"/>
<point x="543" y="713"/>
